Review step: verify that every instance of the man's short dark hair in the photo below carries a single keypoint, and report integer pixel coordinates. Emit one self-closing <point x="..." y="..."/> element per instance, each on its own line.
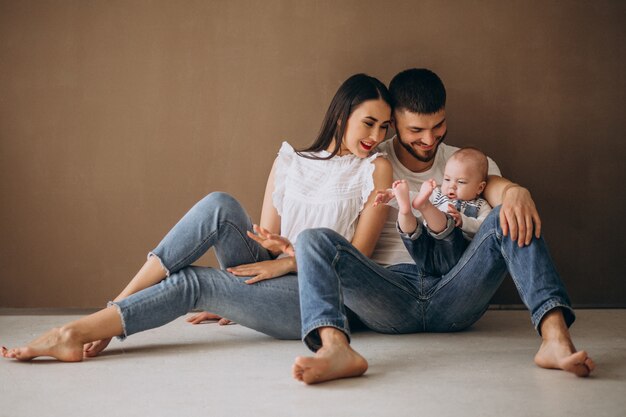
<point x="418" y="90"/>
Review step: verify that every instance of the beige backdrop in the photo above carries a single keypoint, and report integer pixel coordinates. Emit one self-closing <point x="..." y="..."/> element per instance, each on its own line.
<point x="116" y="116"/>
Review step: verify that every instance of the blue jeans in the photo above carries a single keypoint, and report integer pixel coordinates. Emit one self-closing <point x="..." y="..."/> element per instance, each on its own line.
<point x="217" y="221"/>
<point x="435" y="254"/>
<point x="333" y="275"/>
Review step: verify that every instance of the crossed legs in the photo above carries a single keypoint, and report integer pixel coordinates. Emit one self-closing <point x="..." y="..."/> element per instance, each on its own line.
<point x="216" y="221"/>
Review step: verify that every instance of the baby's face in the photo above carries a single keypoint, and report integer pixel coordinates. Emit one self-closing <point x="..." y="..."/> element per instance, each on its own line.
<point x="462" y="180"/>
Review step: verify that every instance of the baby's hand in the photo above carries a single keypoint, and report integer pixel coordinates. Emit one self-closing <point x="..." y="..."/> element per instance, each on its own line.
<point x="383" y="197"/>
<point x="452" y="211"/>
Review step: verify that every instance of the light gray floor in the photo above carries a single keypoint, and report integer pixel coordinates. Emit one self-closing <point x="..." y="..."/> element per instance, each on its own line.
<point x="206" y="370"/>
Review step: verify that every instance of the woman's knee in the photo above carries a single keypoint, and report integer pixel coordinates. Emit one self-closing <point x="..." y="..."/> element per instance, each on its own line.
<point x="219" y="199"/>
<point x="220" y="204"/>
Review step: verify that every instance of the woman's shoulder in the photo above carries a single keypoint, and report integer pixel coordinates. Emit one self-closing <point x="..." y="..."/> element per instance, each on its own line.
<point x="286" y="149"/>
<point x="381" y="163"/>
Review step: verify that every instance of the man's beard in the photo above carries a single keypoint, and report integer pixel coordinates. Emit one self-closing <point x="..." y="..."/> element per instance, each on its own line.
<point x="415" y="155"/>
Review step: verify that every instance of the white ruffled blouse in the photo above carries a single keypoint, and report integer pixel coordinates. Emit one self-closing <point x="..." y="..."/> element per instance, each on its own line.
<point x="321" y="193"/>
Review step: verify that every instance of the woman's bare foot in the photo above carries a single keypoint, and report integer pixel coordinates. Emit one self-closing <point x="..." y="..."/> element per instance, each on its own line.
<point x="333" y="360"/>
<point x="62" y="344"/>
<point x="555" y="354"/>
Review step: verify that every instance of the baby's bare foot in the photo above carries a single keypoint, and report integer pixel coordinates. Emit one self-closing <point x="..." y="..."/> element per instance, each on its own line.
<point x="401" y="191"/>
<point x="424" y="194"/>
<point x="62" y="344"/>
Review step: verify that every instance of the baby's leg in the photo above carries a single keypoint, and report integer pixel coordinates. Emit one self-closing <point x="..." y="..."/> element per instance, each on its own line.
<point x="435" y="218"/>
<point x="406" y="219"/>
<point x="401" y="191"/>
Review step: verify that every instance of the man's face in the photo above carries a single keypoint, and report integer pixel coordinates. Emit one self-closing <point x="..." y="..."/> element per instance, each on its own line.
<point x="420" y="134"/>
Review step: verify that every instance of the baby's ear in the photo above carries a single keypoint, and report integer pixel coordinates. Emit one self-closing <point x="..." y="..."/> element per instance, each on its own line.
<point x="481" y="187"/>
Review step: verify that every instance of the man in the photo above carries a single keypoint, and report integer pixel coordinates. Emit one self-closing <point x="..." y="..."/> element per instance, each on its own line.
<point x="334" y="278"/>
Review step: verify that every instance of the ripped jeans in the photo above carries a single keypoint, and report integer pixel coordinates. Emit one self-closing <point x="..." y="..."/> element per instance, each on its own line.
<point x="217" y="221"/>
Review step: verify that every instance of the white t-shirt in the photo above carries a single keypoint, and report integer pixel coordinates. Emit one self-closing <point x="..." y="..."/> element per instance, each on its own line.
<point x="390" y="250"/>
<point x="321" y="193"/>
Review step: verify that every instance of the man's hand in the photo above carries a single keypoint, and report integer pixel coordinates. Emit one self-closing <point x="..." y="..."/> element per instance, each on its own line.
<point x="276" y="244"/>
<point x="260" y="271"/>
<point x="518" y="215"/>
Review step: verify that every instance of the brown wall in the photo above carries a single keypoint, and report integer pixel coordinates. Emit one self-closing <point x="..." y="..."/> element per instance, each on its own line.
<point x="116" y="116"/>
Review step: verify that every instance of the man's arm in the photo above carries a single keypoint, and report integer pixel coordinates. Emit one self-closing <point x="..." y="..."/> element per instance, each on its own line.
<point x="518" y="214"/>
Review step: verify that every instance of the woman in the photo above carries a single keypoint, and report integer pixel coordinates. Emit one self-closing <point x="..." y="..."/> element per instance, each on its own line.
<point x="330" y="184"/>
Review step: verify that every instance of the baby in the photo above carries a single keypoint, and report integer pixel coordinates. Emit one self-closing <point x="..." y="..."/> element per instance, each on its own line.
<point x="452" y="214"/>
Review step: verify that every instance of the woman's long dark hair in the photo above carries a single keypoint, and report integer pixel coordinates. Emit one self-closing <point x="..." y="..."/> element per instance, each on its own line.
<point x="354" y="91"/>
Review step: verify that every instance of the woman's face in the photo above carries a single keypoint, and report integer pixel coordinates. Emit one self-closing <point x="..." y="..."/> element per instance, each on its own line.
<point x="366" y="128"/>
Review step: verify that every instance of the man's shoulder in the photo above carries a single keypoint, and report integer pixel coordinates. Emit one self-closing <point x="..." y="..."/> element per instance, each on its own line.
<point x="446" y="150"/>
<point x="386" y="146"/>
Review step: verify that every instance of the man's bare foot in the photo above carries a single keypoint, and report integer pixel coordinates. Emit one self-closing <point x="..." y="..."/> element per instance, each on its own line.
<point x="555" y="354"/>
<point x="424" y="194"/>
<point x="334" y="360"/>
<point x="62" y="344"/>
<point x="401" y="192"/>
<point x="557" y="350"/>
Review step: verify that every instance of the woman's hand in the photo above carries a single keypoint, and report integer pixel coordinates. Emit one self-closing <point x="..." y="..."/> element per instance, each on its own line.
<point x="518" y="215"/>
<point x="260" y="271"/>
<point x="93" y="348"/>
<point x="383" y="196"/>
<point x="204" y="316"/>
<point x="274" y="243"/>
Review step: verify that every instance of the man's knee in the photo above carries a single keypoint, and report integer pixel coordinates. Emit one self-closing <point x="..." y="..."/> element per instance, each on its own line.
<point x="316" y="238"/>
<point x="493" y="220"/>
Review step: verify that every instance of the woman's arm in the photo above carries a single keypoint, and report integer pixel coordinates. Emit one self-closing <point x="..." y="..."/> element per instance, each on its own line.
<point x="372" y="219"/>
<point x="270" y="220"/>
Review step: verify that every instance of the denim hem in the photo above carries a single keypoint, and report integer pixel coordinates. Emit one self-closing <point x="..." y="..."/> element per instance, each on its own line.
<point x="445" y="232"/>
<point x="413" y="236"/>
<point x="568" y="313"/>
<point x="311" y="337"/>
<point x="166" y="269"/>
<point x="119" y="311"/>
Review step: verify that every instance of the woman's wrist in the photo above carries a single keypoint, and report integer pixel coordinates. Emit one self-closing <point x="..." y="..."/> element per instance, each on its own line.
<point x="293" y="267"/>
